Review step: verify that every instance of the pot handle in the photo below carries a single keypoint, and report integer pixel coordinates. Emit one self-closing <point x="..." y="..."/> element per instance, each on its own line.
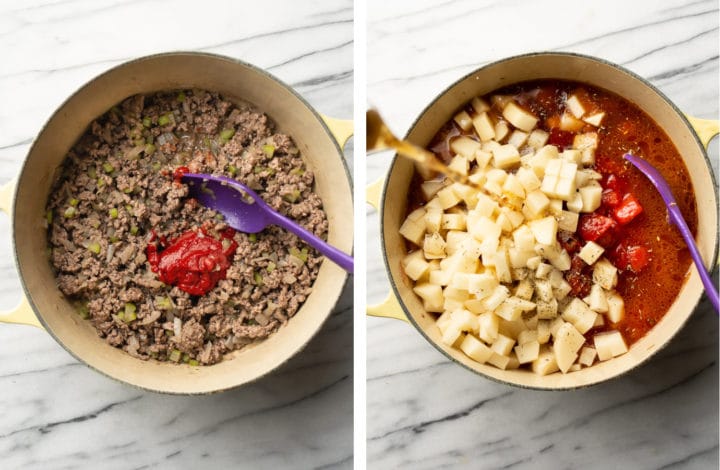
<point x="341" y="129"/>
<point x="390" y="307"/>
<point x="23" y="312"/>
<point x="705" y="129"/>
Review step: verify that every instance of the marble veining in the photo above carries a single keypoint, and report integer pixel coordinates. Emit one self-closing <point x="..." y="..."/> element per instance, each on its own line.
<point x="425" y="412"/>
<point x="56" y="413"/>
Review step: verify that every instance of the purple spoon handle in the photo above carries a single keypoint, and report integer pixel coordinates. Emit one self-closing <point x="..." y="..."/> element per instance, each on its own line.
<point x="342" y="259"/>
<point x="676" y="218"/>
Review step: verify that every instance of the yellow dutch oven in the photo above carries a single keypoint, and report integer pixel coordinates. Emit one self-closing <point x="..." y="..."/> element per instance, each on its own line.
<point x="320" y="140"/>
<point x="690" y="135"/>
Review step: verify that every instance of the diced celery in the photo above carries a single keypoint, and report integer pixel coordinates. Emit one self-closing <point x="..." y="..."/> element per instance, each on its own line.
<point x="94" y="247"/>
<point x="193" y="362"/>
<point x="269" y="150"/>
<point x="108" y="168"/>
<point x="128" y="191"/>
<point x="140" y="141"/>
<point x="293" y="196"/>
<point x="258" y="278"/>
<point x="114" y="239"/>
<point x="163" y="303"/>
<point x="181" y="97"/>
<point x="149" y="149"/>
<point x="74" y="202"/>
<point x="271" y="267"/>
<point x="134" y="230"/>
<point x="252" y="237"/>
<point x="226" y="135"/>
<point x="175" y="355"/>
<point x="156" y="166"/>
<point x="232" y="170"/>
<point x="128" y="207"/>
<point x="113" y="213"/>
<point x="146" y="122"/>
<point x="100" y="183"/>
<point x="164" y="120"/>
<point x="297" y="171"/>
<point x="186" y="358"/>
<point x="130" y="313"/>
<point x="83" y="312"/>
<point x="92" y="173"/>
<point x="70" y="212"/>
<point x="49" y="216"/>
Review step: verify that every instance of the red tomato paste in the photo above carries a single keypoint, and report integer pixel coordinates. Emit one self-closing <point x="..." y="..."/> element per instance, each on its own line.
<point x="194" y="261"/>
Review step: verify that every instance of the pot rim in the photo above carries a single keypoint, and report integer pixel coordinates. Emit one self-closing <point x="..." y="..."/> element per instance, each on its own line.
<point x="432" y="103"/>
<point x="26" y="292"/>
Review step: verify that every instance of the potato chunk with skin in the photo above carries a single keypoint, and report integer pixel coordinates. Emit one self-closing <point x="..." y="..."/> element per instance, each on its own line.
<point x="518" y="117"/>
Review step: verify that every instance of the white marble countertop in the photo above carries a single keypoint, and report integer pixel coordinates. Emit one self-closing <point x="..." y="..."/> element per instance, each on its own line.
<point x="423" y="411"/>
<point x="55" y="412"/>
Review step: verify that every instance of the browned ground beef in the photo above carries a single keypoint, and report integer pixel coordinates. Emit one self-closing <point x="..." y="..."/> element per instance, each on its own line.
<point x="123" y="163"/>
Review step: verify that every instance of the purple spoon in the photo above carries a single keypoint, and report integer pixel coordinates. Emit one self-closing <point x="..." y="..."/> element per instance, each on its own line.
<point x="676" y="218"/>
<point x="245" y="211"/>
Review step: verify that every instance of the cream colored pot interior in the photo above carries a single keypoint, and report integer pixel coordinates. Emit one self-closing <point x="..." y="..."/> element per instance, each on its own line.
<point x="171" y="71"/>
<point x="568" y="67"/>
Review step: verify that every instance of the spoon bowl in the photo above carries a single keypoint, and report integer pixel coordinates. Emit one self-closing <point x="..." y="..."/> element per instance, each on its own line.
<point x="245" y="211"/>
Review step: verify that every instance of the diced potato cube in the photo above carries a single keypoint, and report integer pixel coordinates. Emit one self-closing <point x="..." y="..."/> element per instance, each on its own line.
<point x="440" y="277"/>
<point x="482" y="285"/>
<point x="443" y="321"/>
<point x="605" y="274"/>
<point x="519" y="258"/>
<point x="543" y="331"/>
<point x="463" y="120"/>
<point x="542" y="158"/>
<point x="547" y="310"/>
<point x="591" y="196"/>
<point x="430" y="188"/>
<point x="451" y="334"/>
<point x="599" y="321"/>
<point x="572" y="156"/>
<point x="544" y="230"/>
<point x="562" y="290"/>
<point x="543" y="270"/>
<point x="568" y="342"/>
<point x="503" y="345"/>
<point x="505" y="156"/>
<point x="527" y="352"/>
<point x="524" y="289"/>
<point x="513" y="186"/>
<point x="479" y="105"/>
<point x="453" y="240"/>
<point x="488" y="327"/>
<point x="524" y="238"/>
<point x="575" y="204"/>
<point x="580" y="315"/>
<point x="484" y="229"/>
<point x="555" y="326"/>
<point x="594" y="119"/>
<point x="475" y="349"/>
<point x="543" y="290"/>
<point x="448" y="198"/>
<point x="432" y="296"/>
<point x="528" y="179"/>
<point x="465" y="146"/>
<point x="433" y="219"/>
<point x="434" y="246"/>
<point x="485" y="206"/>
<point x="482" y="159"/>
<point x="591" y="252"/>
<point x="570" y="123"/>
<point x="555" y="277"/>
<point x="538" y="138"/>
<point x="464" y="320"/>
<point x="415" y="265"/>
<point x="586" y="143"/>
<point x="453" y="222"/>
<point x="536" y="202"/>
<point x="413" y="228"/>
<point x="526" y="336"/>
<point x="501" y="130"/>
<point x="484" y="126"/>
<point x="508" y="311"/>
<point x="616" y="307"/>
<point x="496" y="297"/>
<point x="568" y="221"/>
<point x="513" y="362"/>
<point x="460" y="281"/>
<point x="518" y="117"/>
<point x="502" y="265"/>
<point x="531" y="324"/>
<point x="545" y="363"/>
<point x="518" y="138"/>
<point x="459" y="164"/>
<point x="499" y="361"/>
<point x="453" y="293"/>
<point x="609" y="344"/>
<point x="585" y="176"/>
<point x="469" y="247"/>
<point x="555" y="207"/>
<point x="575" y="106"/>
<point x="516" y="218"/>
<point x="587" y="356"/>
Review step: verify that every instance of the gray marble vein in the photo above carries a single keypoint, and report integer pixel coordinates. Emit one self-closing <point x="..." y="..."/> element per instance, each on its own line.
<point x="56" y="413"/>
<point x="424" y="412"/>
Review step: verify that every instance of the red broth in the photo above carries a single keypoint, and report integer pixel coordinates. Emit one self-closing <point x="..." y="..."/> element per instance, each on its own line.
<point x="625" y="128"/>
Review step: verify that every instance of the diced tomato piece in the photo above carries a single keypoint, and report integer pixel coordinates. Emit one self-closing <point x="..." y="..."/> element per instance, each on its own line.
<point x="628" y="209"/>
<point x="610" y="198"/>
<point x="598" y="228"/>
<point x="634" y="257"/>
<point x="560" y="139"/>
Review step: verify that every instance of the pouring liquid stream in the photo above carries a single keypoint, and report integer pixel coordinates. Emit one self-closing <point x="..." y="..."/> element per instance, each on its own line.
<point x="380" y="137"/>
